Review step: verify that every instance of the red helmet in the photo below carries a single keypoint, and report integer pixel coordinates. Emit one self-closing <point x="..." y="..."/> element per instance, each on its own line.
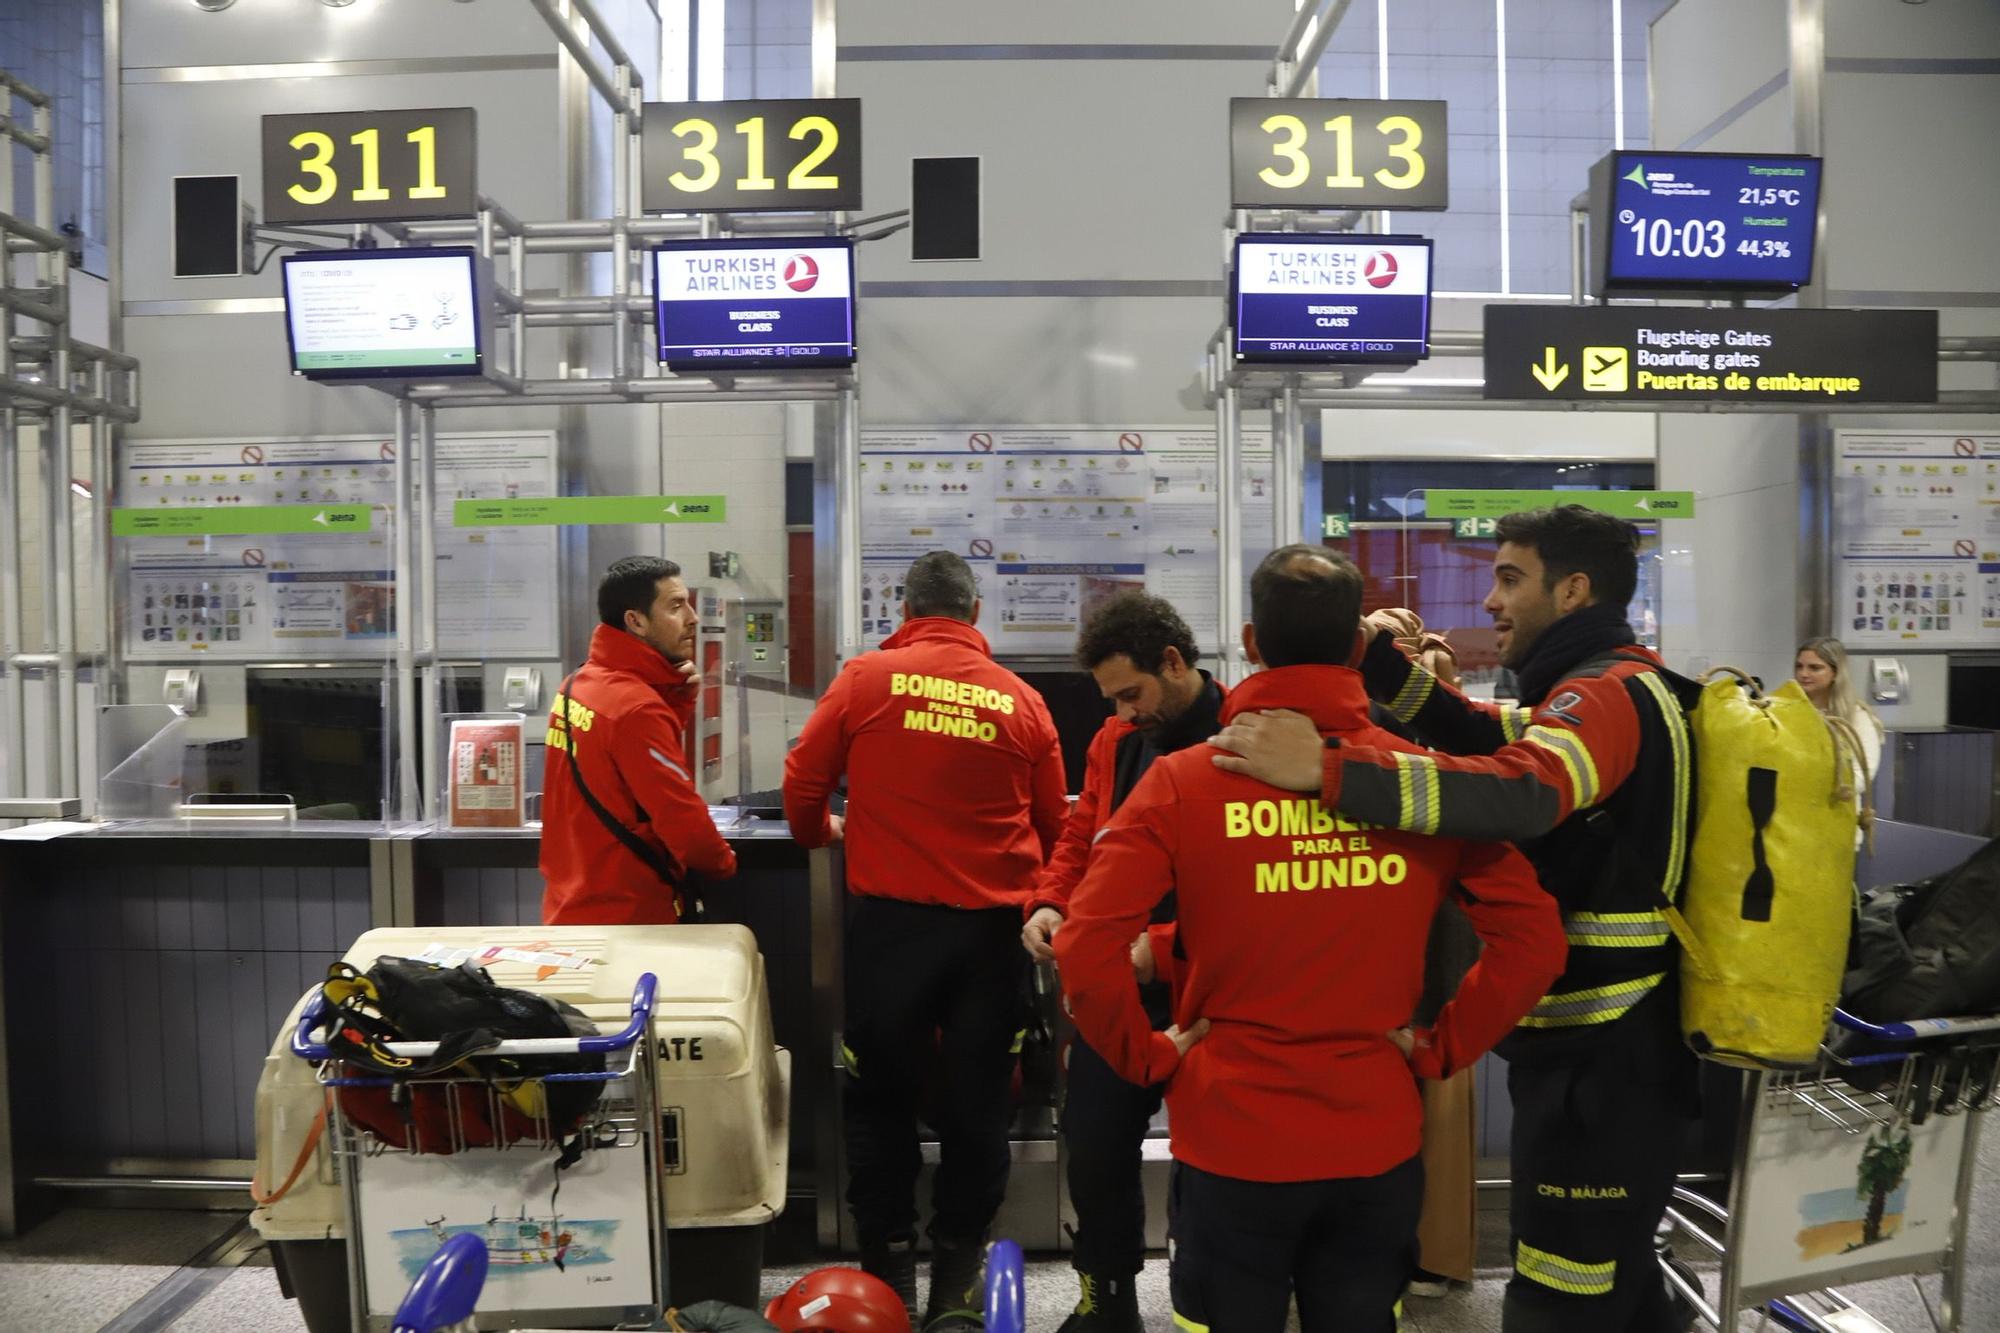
<point x="839" y="1300"/>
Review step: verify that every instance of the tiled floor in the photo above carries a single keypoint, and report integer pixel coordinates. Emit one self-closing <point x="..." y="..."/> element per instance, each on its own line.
<point x="84" y="1268"/>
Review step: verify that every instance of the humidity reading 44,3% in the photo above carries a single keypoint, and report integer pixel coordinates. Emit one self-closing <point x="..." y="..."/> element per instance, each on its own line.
<point x="1697" y="239"/>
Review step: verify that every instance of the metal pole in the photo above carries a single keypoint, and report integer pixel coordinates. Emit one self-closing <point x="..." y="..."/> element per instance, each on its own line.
<point x="1815" y="571"/>
<point x="110" y="672"/>
<point x="425" y="582"/>
<point x="13" y="705"/>
<point x="1308" y="63"/>
<point x="1229" y="535"/>
<point x="1288" y="470"/>
<point x="847" y="536"/>
<point x="517" y="265"/>
<point x="621" y="251"/>
<point x="1579" y="252"/>
<point x="62" y="548"/>
<point x="405" y="796"/>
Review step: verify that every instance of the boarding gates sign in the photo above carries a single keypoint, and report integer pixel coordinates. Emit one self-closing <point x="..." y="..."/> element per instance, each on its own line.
<point x="1660" y="355"/>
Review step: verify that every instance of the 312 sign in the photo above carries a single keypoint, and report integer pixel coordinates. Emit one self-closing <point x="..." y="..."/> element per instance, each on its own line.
<point x="1301" y="152"/>
<point x="370" y="166"/>
<point x="751" y="156"/>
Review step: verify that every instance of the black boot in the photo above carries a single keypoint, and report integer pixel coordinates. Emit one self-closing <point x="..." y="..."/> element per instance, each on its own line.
<point x="958" y="1287"/>
<point x="895" y="1262"/>
<point x="1107" y="1305"/>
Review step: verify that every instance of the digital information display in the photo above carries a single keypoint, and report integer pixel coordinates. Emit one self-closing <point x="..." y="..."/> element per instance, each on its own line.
<point x="755" y="305"/>
<point x="1332" y="299"/>
<point x="383" y="313"/>
<point x="1706" y="221"/>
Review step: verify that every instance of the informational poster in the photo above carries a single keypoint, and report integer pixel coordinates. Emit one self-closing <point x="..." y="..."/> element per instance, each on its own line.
<point x="330" y="594"/>
<point x="1053" y="522"/>
<point x="483" y="766"/>
<point x="1917" y="535"/>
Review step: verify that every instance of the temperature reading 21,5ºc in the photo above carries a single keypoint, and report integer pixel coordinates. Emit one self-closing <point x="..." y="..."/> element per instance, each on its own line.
<point x="1768" y="196"/>
<point x="1660" y="238"/>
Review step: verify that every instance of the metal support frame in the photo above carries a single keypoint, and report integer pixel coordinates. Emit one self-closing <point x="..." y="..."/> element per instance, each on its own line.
<point x="57" y="381"/>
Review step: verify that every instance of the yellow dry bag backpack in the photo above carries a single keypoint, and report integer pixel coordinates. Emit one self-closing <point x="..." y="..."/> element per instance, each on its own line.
<point x="1769" y="893"/>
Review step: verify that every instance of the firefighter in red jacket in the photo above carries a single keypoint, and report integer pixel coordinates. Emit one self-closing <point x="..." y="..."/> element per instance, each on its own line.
<point x="622" y="825"/>
<point x="956" y="795"/>
<point x="1592" y="775"/>
<point x="1141" y="654"/>
<point x="1291" y="1080"/>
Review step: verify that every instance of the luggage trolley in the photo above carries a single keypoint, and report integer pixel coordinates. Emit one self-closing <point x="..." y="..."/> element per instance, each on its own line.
<point x="563" y="1246"/>
<point x="1856" y="1169"/>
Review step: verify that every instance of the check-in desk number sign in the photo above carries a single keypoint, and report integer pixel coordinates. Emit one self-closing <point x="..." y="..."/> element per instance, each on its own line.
<point x="751" y="156"/>
<point x="1299" y="152"/>
<point x="370" y="166"/>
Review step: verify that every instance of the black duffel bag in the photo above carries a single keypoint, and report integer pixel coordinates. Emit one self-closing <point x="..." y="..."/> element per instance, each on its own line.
<point x="490" y="1099"/>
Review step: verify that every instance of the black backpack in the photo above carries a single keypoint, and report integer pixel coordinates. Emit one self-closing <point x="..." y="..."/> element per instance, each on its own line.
<point x="1929" y="949"/>
<point x="498" y="1099"/>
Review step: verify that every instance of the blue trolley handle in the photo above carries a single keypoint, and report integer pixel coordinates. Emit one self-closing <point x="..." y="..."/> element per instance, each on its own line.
<point x="1006" y="1308"/>
<point x="307" y="1047"/>
<point x="446" y="1292"/>
<point x="1918" y="1029"/>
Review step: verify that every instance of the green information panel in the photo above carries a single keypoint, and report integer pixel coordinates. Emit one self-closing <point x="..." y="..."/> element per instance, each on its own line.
<point x="587" y="510"/>
<point x="1497" y="504"/>
<point x="240" y="521"/>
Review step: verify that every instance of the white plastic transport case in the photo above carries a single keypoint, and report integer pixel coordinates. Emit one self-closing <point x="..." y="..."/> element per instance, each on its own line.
<point x="723" y="1088"/>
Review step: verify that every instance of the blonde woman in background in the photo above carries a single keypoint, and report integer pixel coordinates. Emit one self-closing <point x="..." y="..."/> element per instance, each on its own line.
<point x="1821" y="669"/>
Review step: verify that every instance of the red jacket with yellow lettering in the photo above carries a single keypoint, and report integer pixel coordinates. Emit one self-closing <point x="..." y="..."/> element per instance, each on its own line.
<point x="628" y="710"/>
<point x="1303" y="936"/>
<point x="954" y="771"/>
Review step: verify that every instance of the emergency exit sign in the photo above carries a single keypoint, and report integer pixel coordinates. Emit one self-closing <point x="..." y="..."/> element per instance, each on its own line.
<point x="1473" y="512"/>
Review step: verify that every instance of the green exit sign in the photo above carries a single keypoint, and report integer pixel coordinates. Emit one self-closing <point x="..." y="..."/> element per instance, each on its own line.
<point x="1337" y="526"/>
<point x="1474" y="527"/>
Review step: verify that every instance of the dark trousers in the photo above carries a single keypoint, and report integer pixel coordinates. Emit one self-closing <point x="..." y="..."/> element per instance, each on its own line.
<point x="1243" y="1248"/>
<point x="929" y="989"/>
<point x="1595" y="1148"/>
<point x="1104" y="1121"/>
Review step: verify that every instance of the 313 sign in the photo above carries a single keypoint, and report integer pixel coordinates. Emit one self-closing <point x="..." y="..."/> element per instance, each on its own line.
<point x="370" y="166"/>
<point x="751" y="156"/>
<point x="1298" y="152"/>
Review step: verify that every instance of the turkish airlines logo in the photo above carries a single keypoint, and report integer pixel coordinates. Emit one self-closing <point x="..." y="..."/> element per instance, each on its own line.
<point x="801" y="273"/>
<point x="1380" y="270"/>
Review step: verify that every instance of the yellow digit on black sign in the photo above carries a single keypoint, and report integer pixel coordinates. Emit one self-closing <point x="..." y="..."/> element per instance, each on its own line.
<point x="319" y="165"/>
<point x="1290" y="149"/>
<point x="1413" y="176"/>
<point x="701" y="151"/>
<point x="801" y="176"/>
<point x="425" y="138"/>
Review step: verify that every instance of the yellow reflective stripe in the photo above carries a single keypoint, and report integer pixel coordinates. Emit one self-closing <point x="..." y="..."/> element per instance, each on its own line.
<point x="1677" y="739"/>
<point x="1417" y="786"/>
<point x="1514" y="722"/>
<point x="1416" y="689"/>
<point x="1569" y="747"/>
<point x="1399" y="1314"/>
<point x="1187" y="1325"/>
<point x="1600" y="1005"/>
<point x="1020" y="1040"/>
<point x="849" y="1059"/>
<point x="1616" y="930"/>
<point x="1566" y="1275"/>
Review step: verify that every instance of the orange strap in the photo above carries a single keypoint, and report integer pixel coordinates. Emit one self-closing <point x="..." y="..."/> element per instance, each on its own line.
<point x="264" y="1200"/>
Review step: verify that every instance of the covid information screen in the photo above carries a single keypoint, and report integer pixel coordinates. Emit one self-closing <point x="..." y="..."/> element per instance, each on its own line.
<point x="755" y="305"/>
<point x="1695" y="221"/>
<point x="383" y="313"/>
<point x="1332" y="299"/>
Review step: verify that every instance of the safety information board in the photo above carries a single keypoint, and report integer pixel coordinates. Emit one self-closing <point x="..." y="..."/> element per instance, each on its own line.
<point x="1917" y="536"/>
<point x="252" y="590"/>
<point x="1053" y="521"/>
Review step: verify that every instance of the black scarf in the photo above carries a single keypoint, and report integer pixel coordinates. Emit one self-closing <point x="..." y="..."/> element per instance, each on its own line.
<point x="1565" y="645"/>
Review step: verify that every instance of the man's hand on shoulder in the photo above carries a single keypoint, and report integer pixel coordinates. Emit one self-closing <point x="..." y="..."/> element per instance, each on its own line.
<point x="1038" y="936"/>
<point x="1280" y="747"/>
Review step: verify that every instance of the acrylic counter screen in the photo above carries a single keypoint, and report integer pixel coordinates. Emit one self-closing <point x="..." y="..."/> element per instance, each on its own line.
<point x="752" y="306"/>
<point x="383" y="312"/>
<point x="1711" y="219"/>
<point x="1306" y="298"/>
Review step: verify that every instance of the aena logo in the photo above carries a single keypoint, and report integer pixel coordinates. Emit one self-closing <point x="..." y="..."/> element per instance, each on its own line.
<point x="801" y="273"/>
<point x="1380" y="270"/>
<point x="1637" y="175"/>
<point x="695" y="508"/>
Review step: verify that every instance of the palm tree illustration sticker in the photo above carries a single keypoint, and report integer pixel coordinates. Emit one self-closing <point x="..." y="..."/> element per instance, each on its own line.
<point x="1841" y="1221"/>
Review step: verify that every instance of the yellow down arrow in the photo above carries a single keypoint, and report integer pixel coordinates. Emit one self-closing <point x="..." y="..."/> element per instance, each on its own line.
<point x="1549" y="373"/>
